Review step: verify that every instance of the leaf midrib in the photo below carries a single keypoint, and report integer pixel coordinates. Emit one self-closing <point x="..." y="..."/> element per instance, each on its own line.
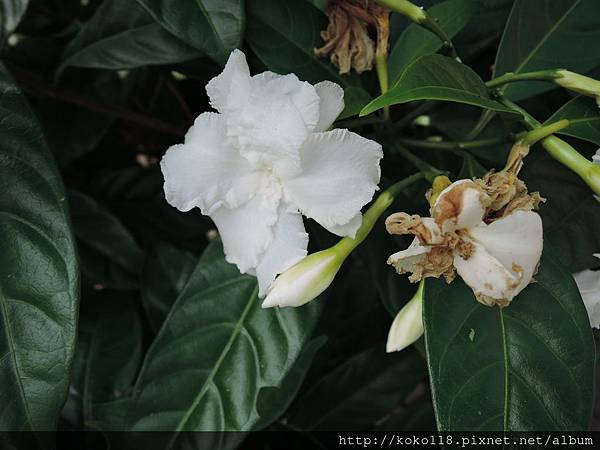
<point x="238" y="328"/>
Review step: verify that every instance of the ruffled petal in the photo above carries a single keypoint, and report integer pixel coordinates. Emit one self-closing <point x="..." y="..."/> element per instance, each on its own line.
<point x="348" y="229"/>
<point x="331" y="103"/>
<point x="505" y="256"/>
<point x="232" y="85"/>
<point x="460" y="205"/>
<point x="246" y="231"/>
<point x="270" y="127"/>
<point x="340" y="173"/>
<point x="410" y="259"/>
<point x="289" y="245"/>
<point x="205" y="171"/>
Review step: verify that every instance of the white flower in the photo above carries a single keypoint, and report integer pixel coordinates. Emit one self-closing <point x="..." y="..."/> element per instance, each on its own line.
<point x="588" y="282"/>
<point x="265" y="160"/>
<point x="496" y="259"/>
<point x="596" y="157"/>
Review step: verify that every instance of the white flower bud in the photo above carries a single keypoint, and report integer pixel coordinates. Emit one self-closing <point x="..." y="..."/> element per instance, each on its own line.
<point x="304" y="281"/>
<point x="579" y="83"/>
<point x="408" y="324"/>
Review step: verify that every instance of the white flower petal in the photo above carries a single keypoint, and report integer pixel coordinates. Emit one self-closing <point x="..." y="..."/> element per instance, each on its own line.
<point x="409" y="259"/>
<point x="331" y="103"/>
<point x="232" y="85"/>
<point x="270" y="127"/>
<point x="246" y="231"/>
<point x="205" y="171"/>
<point x="407" y="326"/>
<point x="348" y="229"/>
<point x="459" y="206"/>
<point x="588" y="282"/>
<point x="515" y="240"/>
<point x="596" y="157"/>
<point x="340" y="173"/>
<point x="287" y="248"/>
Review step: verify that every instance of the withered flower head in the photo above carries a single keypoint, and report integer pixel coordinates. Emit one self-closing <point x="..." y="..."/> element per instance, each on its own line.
<point x="348" y="43"/>
<point x="485" y="230"/>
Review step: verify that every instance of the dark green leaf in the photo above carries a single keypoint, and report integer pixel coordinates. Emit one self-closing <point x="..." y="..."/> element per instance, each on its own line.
<point x="215" y="353"/>
<point x="527" y="367"/>
<point x="38" y="271"/>
<point x="355" y="99"/>
<point x="11" y="12"/>
<point x="110" y="256"/>
<point x="416" y="41"/>
<point x="108" y="355"/>
<point x="122" y="35"/>
<point x="548" y="34"/>
<point x="359" y="392"/>
<point x="284" y="35"/>
<point x="213" y="26"/>
<point x="571" y="214"/>
<point x="584" y="118"/>
<point x="166" y="271"/>
<point x="471" y="168"/>
<point x="436" y="77"/>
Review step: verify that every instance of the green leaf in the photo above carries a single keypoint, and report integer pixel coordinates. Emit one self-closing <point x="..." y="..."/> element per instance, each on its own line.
<point x="165" y="273"/>
<point x="571" y="214"/>
<point x="217" y="350"/>
<point x="39" y="273"/>
<point x="471" y="168"/>
<point x="108" y="355"/>
<point x="213" y="26"/>
<point x="584" y="118"/>
<point x="109" y="254"/>
<point x="122" y="35"/>
<point x="355" y="99"/>
<point x="11" y="12"/>
<point x="527" y="367"/>
<point x="548" y="34"/>
<point x="436" y="77"/>
<point x="416" y="41"/>
<point x="284" y="35"/>
<point x="359" y="392"/>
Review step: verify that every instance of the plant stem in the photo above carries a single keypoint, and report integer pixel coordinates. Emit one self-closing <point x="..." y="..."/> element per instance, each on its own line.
<point x="421" y="17"/>
<point x="464" y="145"/>
<point x="511" y="77"/>
<point x="430" y="171"/>
<point x="383" y="77"/>
<point x="542" y="132"/>
<point x="370" y="217"/>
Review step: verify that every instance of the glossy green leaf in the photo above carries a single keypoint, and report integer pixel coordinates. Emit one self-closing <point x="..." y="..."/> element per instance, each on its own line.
<point x="416" y="41"/>
<point x="284" y="35"/>
<point x="39" y="273"/>
<point x="108" y="355"/>
<point x="548" y="34"/>
<point x="584" y="118"/>
<point x="165" y="273"/>
<point x="213" y="26"/>
<point x="110" y="255"/>
<point x="122" y="35"/>
<point x="11" y="12"/>
<point x="571" y="214"/>
<point x="355" y="99"/>
<point x="527" y="367"/>
<point x="359" y="392"/>
<point x="436" y="77"/>
<point x="215" y="354"/>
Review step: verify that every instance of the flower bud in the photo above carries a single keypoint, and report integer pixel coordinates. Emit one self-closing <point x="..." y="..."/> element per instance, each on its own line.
<point x="408" y="324"/>
<point x="304" y="281"/>
<point x="579" y="83"/>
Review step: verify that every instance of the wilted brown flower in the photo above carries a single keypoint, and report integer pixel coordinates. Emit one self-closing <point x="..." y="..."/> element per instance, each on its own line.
<point x="348" y="43"/>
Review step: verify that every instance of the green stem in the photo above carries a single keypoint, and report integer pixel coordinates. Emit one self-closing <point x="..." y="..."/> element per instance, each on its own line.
<point x="486" y="116"/>
<point x="383" y="77"/>
<point x="562" y="151"/>
<point x="542" y="132"/>
<point x="370" y="217"/>
<point x="511" y="77"/>
<point x="409" y="117"/>
<point x="419" y="16"/>
<point x="465" y="145"/>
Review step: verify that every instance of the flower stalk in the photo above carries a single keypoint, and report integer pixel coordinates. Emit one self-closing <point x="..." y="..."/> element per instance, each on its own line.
<point x="420" y="16"/>
<point x="308" y="278"/>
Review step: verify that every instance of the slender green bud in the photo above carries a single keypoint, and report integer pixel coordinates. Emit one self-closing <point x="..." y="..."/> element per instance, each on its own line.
<point x="408" y="324"/>
<point x="579" y="83"/>
<point x="406" y="8"/>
